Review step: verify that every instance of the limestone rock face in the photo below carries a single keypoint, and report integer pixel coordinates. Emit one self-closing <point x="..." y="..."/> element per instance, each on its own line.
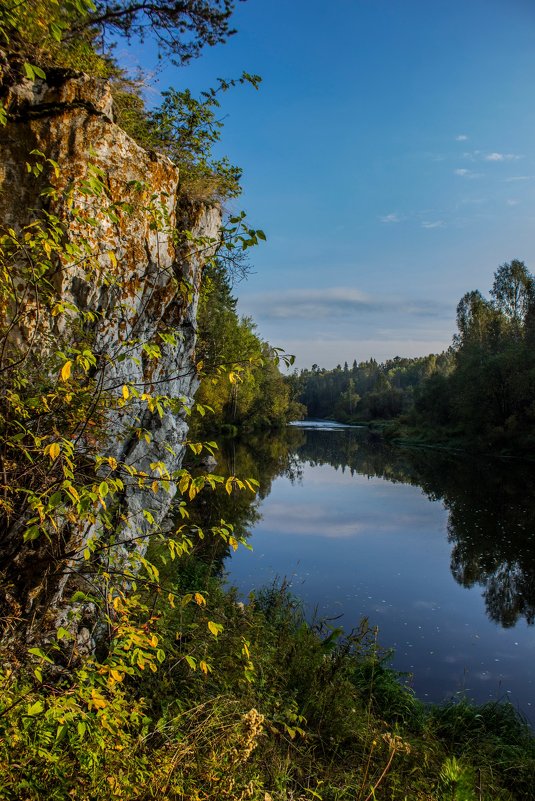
<point x="122" y="201"/>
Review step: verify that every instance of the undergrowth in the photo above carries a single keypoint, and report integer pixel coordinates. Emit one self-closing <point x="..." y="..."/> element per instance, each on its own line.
<point x="274" y="708"/>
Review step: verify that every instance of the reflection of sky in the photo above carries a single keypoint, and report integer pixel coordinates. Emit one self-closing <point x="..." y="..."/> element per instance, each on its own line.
<point x="362" y="546"/>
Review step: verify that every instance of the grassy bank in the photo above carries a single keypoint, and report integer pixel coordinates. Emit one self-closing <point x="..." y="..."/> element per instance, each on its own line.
<point x="260" y="706"/>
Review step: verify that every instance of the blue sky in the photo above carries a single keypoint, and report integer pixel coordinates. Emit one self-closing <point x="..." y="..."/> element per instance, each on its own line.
<point x="389" y="155"/>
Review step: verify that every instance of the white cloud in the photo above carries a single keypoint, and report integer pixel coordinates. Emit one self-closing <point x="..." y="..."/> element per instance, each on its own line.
<point x="390" y="218"/>
<point x="464" y="173"/>
<point x="433" y="224"/>
<point x="312" y="303"/>
<point x="461" y="138"/>
<point x="335" y="303"/>
<point x="519" y="178"/>
<point x="480" y="155"/>
<point x="501" y="157"/>
<point x="512" y="202"/>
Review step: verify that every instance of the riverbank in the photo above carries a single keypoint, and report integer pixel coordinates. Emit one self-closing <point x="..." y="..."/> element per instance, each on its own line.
<point x="275" y="709"/>
<point x="202" y="696"/>
<point x="402" y="432"/>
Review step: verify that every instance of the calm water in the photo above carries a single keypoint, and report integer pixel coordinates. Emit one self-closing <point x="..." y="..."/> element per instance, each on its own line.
<point x="438" y="551"/>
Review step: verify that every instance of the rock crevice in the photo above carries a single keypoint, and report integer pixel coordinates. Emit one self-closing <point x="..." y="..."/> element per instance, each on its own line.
<point x="131" y="219"/>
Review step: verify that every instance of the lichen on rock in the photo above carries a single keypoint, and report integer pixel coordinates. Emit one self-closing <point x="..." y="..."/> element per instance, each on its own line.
<point x="122" y="203"/>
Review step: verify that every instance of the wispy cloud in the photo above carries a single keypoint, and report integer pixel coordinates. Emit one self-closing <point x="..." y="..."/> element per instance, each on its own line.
<point x="464" y="173"/>
<point x="512" y="201"/>
<point x="495" y="155"/>
<point x="390" y="218"/>
<point x="501" y="157"/>
<point x="461" y="138"/>
<point x="519" y="178"/>
<point x="433" y="224"/>
<point x="335" y="303"/>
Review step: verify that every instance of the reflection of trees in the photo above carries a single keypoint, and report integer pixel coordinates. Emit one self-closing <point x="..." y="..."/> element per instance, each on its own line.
<point x="262" y="457"/>
<point x="491" y="503"/>
<point x="491" y="506"/>
<point x="492" y="531"/>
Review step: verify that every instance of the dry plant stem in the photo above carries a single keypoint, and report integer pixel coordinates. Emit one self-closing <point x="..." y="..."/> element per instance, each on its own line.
<point x="381" y="777"/>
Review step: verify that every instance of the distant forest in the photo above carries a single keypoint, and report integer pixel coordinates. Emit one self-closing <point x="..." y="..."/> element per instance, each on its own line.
<point x="481" y="390"/>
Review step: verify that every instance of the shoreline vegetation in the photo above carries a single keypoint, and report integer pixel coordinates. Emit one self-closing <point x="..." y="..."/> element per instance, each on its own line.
<point x="188" y="694"/>
<point x="286" y="710"/>
<point x="476" y="396"/>
<point x="401" y="434"/>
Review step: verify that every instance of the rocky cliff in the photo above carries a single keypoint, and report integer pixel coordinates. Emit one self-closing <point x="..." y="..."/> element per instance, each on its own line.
<point x="138" y="277"/>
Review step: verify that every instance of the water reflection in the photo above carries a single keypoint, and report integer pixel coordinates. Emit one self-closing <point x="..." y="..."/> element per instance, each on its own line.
<point x="491" y="505"/>
<point x="367" y="529"/>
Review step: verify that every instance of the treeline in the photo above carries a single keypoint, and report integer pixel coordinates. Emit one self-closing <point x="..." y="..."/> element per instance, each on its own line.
<point x="367" y="390"/>
<point x="481" y="390"/>
<point x="489" y="396"/>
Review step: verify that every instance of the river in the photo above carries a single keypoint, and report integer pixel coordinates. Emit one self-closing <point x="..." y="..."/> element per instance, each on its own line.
<point x="435" y="549"/>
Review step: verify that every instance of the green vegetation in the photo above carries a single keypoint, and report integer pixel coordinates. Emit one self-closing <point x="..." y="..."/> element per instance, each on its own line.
<point x="488" y="398"/>
<point x="79" y="34"/>
<point x="243" y="385"/>
<point x="186" y="694"/>
<point x="479" y="394"/>
<point x="368" y="390"/>
<point x="276" y="709"/>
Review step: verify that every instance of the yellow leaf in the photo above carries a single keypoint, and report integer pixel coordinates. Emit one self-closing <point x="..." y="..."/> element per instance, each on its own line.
<point x="97" y="700"/>
<point x="112" y="258"/>
<point x="54" y="450"/>
<point x="66" y="371"/>
<point x="117" y="675"/>
<point x="200" y="599"/>
<point x="126" y="392"/>
<point x="73" y="492"/>
<point x="112" y="461"/>
<point x="204" y="666"/>
<point x="215" y="628"/>
<point x="154" y="640"/>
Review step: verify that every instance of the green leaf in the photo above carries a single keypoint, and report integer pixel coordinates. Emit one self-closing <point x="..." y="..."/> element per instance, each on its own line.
<point x="31" y="533"/>
<point x="35" y="709"/>
<point x="61" y="732"/>
<point x="41" y="654"/>
<point x="55" y="500"/>
<point x="55" y="31"/>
